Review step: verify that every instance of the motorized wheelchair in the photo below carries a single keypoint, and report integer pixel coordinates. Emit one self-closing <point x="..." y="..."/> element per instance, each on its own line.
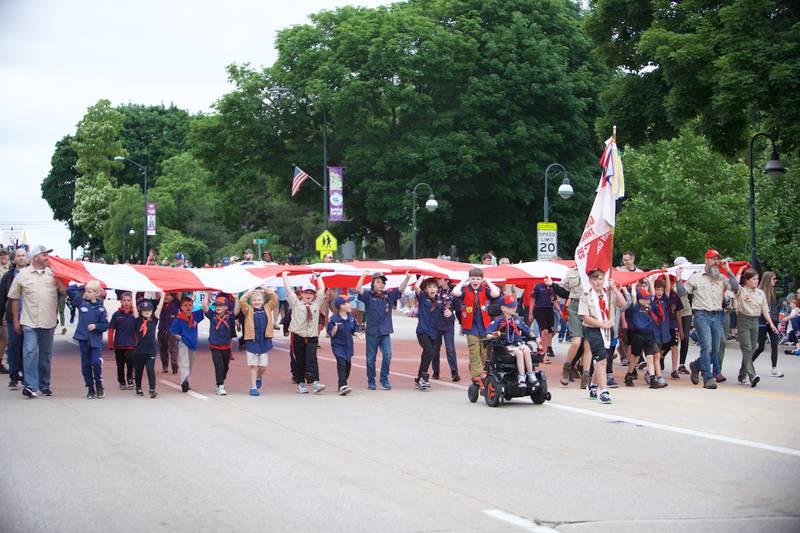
<point x="499" y="383"/>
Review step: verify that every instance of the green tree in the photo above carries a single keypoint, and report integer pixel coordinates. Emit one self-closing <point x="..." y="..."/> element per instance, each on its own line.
<point x="58" y="188"/>
<point x="125" y="213"/>
<point x="683" y="198"/>
<point x="244" y="242"/>
<point x="733" y="64"/>
<point x="173" y="241"/>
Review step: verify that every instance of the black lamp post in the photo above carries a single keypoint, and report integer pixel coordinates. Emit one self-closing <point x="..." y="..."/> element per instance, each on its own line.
<point x="774" y="169"/>
<point x="430" y="205"/>
<point x="564" y="190"/>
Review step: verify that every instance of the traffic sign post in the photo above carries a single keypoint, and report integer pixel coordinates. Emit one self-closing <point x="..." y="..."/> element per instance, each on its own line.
<point x="326" y="243"/>
<point x="259" y="242"/>
<point x="546" y="241"/>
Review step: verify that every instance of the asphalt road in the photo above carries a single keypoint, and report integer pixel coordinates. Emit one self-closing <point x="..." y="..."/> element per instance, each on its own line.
<point x="676" y="459"/>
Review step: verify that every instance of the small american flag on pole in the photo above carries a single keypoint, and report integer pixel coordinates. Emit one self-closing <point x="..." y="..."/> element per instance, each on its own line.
<point x="299" y="178"/>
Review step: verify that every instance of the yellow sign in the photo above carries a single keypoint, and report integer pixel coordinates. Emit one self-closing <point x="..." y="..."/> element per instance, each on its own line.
<point x="547" y="226"/>
<point x="326" y="242"/>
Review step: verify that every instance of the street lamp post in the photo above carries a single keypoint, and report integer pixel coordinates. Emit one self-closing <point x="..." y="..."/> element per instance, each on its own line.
<point x="565" y="190"/>
<point x="774" y="169"/>
<point x="143" y="168"/>
<point x="131" y="233"/>
<point x="430" y="205"/>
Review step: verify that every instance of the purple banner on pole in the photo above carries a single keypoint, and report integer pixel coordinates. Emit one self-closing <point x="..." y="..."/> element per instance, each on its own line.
<point x="336" y="194"/>
<point x="151" y="218"/>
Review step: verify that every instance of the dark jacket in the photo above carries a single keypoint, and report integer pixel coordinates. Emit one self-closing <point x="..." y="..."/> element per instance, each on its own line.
<point x="5" y="286"/>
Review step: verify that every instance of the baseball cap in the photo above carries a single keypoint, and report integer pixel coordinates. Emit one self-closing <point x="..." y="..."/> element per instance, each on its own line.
<point x="712" y="253"/>
<point x="680" y="261"/>
<point x="220" y="300"/>
<point x="644" y="295"/>
<point x="340" y="300"/>
<point x="179" y="255"/>
<point x="226" y="261"/>
<point x="308" y="287"/>
<point x="39" y="249"/>
<point x="377" y="275"/>
<point x="145" y="305"/>
<point x="508" y="301"/>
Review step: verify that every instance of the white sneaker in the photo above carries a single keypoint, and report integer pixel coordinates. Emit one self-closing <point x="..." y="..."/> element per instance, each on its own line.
<point x="221" y="390"/>
<point x="344" y="390"/>
<point x="301" y="388"/>
<point x="776" y="373"/>
<point x="521" y="379"/>
<point x="317" y="387"/>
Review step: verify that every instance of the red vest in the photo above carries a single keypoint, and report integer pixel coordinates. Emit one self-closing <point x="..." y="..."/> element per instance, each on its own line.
<point x="467" y="312"/>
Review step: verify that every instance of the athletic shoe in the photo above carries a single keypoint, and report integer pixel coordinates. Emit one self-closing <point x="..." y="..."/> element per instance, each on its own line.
<point x="12" y="384"/>
<point x="90" y="395"/>
<point x="254" y="392"/>
<point x="100" y="392"/>
<point x="550" y="352"/>
<point x="611" y="383"/>
<point x="592" y="392"/>
<point x="521" y="380"/>
<point x="682" y="369"/>
<point x="385" y="385"/>
<point x="130" y="384"/>
<point x="221" y="390"/>
<point x="742" y="379"/>
<point x="29" y="392"/>
<point x="605" y="397"/>
<point x="185" y="386"/>
<point x="436" y="376"/>
<point x="719" y="378"/>
<point x="710" y="384"/>
<point x="754" y="381"/>
<point x="695" y="374"/>
<point x="635" y="373"/>
<point x="139" y="392"/>
<point x="565" y="370"/>
<point x="642" y="365"/>
<point x="653" y="382"/>
<point x="258" y="383"/>
<point x="456" y="378"/>
<point x="629" y="379"/>
<point x="675" y="375"/>
<point x="532" y="379"/>
<point x="153" y="394"/>
<point x="584" y="380"/>
<point x="776" y="373"/>
<point x="370" y="386"/>
<point x="317" y="387"/>
<point x="301" y="388"/>
<point x="63" y="331"/>
<point x="421" y="383"/>
<point x="46" y="392"/>
<point x="623" y="361"/>
<point x="661" y="382"/>
<point x="344" y="390"/>
<point x="123" y="386"/>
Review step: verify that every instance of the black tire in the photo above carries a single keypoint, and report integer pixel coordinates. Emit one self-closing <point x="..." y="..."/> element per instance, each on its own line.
<point x="473" y="391"/>
<point x="540" y="394"/>
<point x="492" y="391"/>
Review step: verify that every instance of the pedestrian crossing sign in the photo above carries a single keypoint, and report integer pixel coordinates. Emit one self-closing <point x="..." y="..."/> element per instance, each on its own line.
<point x="326" y="242"/>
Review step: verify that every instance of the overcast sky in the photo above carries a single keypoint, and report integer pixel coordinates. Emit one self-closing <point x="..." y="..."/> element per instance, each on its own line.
<point x="59" y="57"/>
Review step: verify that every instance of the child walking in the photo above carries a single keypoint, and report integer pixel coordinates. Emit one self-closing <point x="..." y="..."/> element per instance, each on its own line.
<point x="121" y="329"/>
<point x="426" y="293"/>
<point x="223" y="323"/>
<point x="303" y="327"/>
<point x="342" y="327"/>
<point x="92" y="322"/>
<point x="184" y="328"/>
<point x="146" y="344"/>
<point x="258" y="307"/>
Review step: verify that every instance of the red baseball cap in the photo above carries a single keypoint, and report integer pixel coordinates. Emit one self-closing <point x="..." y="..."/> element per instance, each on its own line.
<point x="712" y="253"/>
<point x="508" y="301"/>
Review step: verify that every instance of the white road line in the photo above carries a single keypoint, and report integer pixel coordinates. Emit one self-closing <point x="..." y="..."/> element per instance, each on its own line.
<point x="680" y="430"/>
<point x="518" y="521"/>
<point x="191" y="393"/>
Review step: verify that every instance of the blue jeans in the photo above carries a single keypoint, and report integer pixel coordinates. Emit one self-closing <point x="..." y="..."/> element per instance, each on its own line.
<point x="708" y="325"/>
<point x="563" y="331"/>
<point x="92" y="366"/>
<point x="37" y="347"/>
<point x="14" y="352"/>
<point x="373" y="343"/>
<point x="448" y="337"/>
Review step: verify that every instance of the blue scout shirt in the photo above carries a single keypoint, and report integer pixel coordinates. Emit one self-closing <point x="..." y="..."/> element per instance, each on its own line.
<point x="342" y="342"/>
<point x="219" y="331"/>
<point x="379" y="310"/>
<point x="513" y="328"/>
<point x="426" y="315"/>
<point x="640" y="319"/>
<point x="446" y="300"/>
<point x="146" y="342"/>
<point x="187" y="333"/>
<point x="168" y="313"/>
<point x="542" y="296"/>
<point x="124" y="326"/>
<point x="260" y="343"/>
<point x="89" y="313"/>
<point x="660" y="308"/>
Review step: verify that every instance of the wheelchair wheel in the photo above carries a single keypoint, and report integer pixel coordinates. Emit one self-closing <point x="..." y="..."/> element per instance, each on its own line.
<point x="492" y="391"/>
<point x="473" y="391"/>
<point x="540" y="394"/>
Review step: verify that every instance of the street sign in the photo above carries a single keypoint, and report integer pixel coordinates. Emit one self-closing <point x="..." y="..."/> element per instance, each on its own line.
<point x="546" y="241"/>
<point x="326" y="242"/>
<point x="259" y="241"/>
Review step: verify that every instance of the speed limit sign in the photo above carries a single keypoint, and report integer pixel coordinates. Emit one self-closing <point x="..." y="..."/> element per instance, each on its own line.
<point x="546" y="241"/>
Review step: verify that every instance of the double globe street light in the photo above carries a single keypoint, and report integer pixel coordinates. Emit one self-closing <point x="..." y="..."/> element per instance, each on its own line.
<point x="431" y="204"/>
<point x="774" y="169"/>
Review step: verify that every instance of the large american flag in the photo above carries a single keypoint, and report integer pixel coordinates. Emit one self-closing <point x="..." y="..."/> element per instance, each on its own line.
<point x="299" y="178"/>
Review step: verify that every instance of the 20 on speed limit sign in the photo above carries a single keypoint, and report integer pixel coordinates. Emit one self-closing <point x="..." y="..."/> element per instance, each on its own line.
<point x="547" y="240"/>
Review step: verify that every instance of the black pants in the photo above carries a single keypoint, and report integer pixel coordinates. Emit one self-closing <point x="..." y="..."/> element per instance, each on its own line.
<point x="762" y="342"/>
<point x="428" y="352"/>
<point x="686" y="321"/>
<point x="145" y="360"/>
<point x="124" y="359"/>
<point x="343" y="370"/>
<point x="222" y="360"/>
<point x="305" y="358"/>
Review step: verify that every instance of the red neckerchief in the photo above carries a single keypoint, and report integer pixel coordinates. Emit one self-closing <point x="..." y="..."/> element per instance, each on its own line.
<point x="220" y="321"/>
<point x="124" y="312"/>
<point x="601" y="298"/>
<point x="188" y="318"/>
<point x="660" y="311"/>
<point x="143" y="327"/>
<point x="510" y="324"/>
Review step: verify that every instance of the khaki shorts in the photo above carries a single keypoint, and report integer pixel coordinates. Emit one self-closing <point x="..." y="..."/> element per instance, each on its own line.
<point x="254" y="359"/>
<point x="575" y="322"/>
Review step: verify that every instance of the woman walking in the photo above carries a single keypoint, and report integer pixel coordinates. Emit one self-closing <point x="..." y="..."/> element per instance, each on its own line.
<point x="768" y="286"/>
<point x="752" y="307"/>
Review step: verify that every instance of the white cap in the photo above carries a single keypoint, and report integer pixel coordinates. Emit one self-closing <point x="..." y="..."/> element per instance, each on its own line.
<point x="308" y="287"/>
<point x="680" y="261"/>
<point x="39" y="249"/>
